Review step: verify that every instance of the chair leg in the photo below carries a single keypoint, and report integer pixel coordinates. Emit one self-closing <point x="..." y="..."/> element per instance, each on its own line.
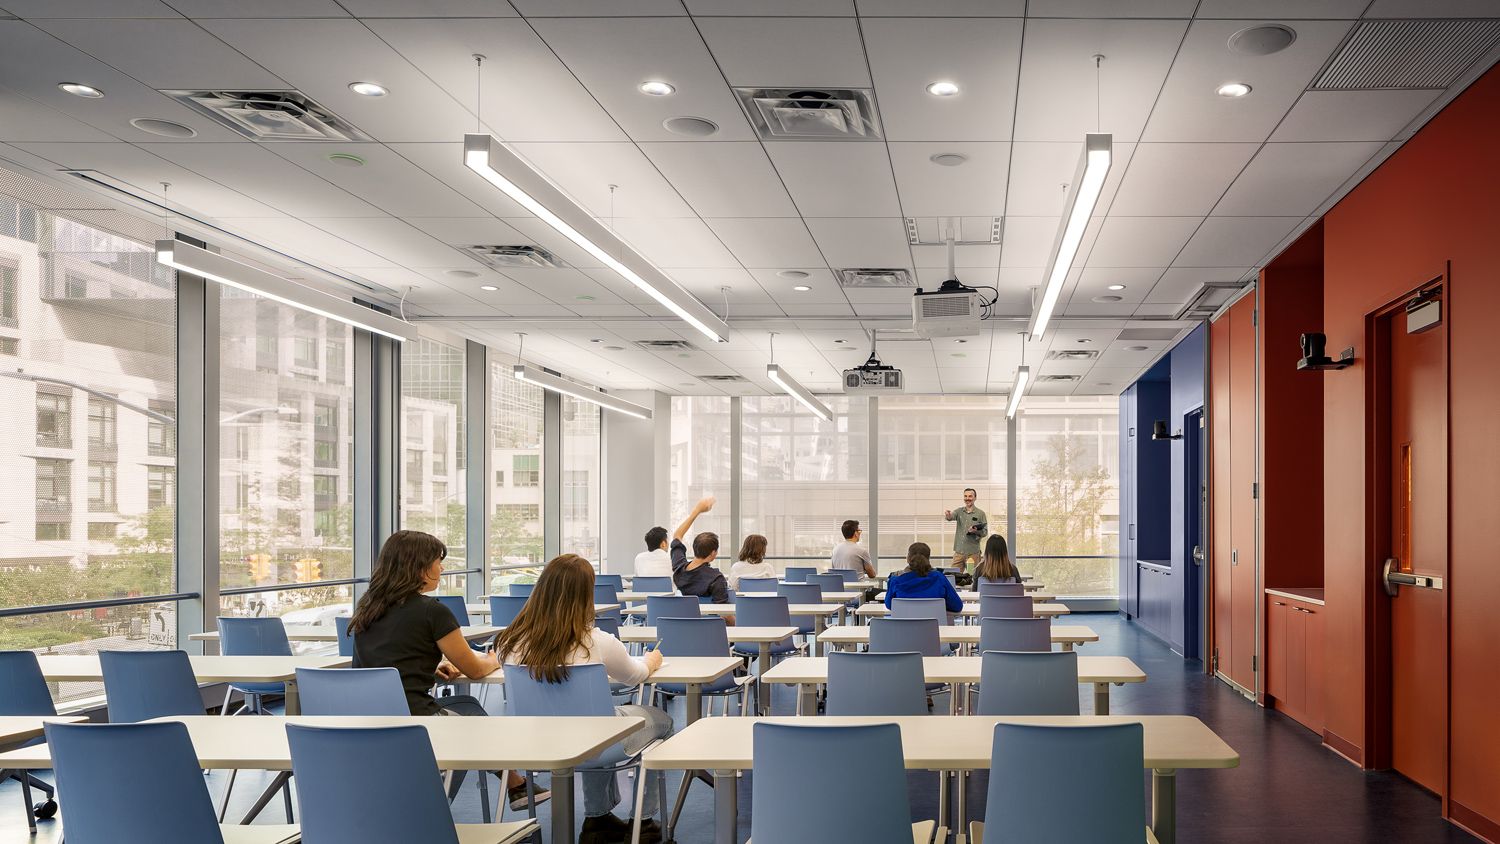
<point x="265" y="798"/>
<point x="228" y="787"/>
<point x="224" y="707"/>
<point x="484" y="797"/>
<point x="286" y="795"/>
<point x="25" y="799"/>
<point x="640" y="800"/>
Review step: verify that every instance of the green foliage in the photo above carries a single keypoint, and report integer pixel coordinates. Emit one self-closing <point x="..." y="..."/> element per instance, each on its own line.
<point x="1060" y="514"/>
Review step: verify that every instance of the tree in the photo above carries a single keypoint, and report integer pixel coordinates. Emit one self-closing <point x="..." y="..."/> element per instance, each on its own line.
<point x="1060" y="516"/>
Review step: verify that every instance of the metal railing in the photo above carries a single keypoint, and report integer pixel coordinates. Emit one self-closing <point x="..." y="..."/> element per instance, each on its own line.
<point x="102" y="603"/>
<point x="278" y="587"/>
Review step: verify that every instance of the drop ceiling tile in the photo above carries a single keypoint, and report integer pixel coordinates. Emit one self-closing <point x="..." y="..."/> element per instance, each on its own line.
<point x="1110" y="9"/>
<point x="986" y="256"/>
<point x="1095" y="281"/>
<point x="260" y="9"/>
<point x="1141" y="241"/>
<point x="1178" y="283"/>
<point x="775" y="8"/>
<point x="90" y="9"/>
<point x="164" y="53"/>
<point x="665" y="49"/>
<point x="585" y="172"/>
<point x="975" y="188"/>
<point x="679" y="242"/>
<point x="470" y="231"/>
<point x="1287" y="179"/>
<point x="590" y="309"/>
<point x="300" y="238"/>
<point x="444" y="162"/>
<point x="394" y="240"/>
<point x="1179" y="179"/>
<point x="1190" y="109"/>
<point x="428" y="9"/>
<point x="598" y="8"/>
<point x="723" y="179"/>
<point x="979" y="54"/>
<point x="22" y="120"/>
<point x="387" y="180"/>
<point x="788" y="52"/>
<point x="1429" y="9"/>
<point x="1352" y="115"/>
<point x="768" y="242"/>
<point x="819" y="309"/>
<point x="538" y="311"/>
<point x="1235" y="241"/>
<point x="1064" y="96"/>
<point x="257" y="172"/>
<point x="941" y="8"/>
<point x="861" y="242"/>
<point x="825" y="288"/>
<point x="837" y="179"/>
<point x="1039" y="172"/>
<point x="882" y="311"/>
<point x="1282" y="9"/>
<point x="145" y="172"/>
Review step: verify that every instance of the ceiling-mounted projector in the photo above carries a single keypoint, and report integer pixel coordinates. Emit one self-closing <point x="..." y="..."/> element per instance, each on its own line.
<point x="953" y="310"/>
<point x="872" y="376"/>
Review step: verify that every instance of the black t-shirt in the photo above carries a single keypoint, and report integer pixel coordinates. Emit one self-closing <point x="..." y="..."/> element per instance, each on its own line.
<point x="703" y="580"/>
<point x="406" y="638"/>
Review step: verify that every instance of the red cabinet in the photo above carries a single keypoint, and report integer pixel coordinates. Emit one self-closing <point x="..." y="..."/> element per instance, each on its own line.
<point x="1294" y="658"/>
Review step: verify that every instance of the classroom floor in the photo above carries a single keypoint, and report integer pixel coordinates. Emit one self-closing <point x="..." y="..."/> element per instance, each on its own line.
<point x="1287" y="789"/>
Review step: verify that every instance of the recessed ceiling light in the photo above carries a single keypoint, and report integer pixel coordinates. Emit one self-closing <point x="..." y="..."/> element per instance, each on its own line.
<point x="1085" y="340"/>
<point x="1136" y="348"/>
<point x="792" y="274"/>
<point x="488" y="288"/>
<point x="683" y="355"/>
<point x="462" y="273"/>
<point x="1106" y="299"/>
<point x="1233" y="89"/>
<point x="1116" y="287"/>
<point x="595" y="340"/>
<point x="164" y="128"/>
<point x="942" y="88"/>
<point x="801" y="288"/>
<point x="948" y="159"/>
<point x="960" y="340"/>
<point x="657" y="88"/>
<point x="841" y="342"/>
<point x="614" y="348"/>
<point x="78" y="89"/>
<point x="346" y="159"/>
<point x="368" y="89"/>
<point x="960" y="354"/>
<point x="584" y="297"/>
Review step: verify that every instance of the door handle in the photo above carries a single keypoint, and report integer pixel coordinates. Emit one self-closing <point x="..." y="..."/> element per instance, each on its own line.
<point x="1394" y="580"/>
<point x="1198" y="555"/>
<point x="1234" y="556"/>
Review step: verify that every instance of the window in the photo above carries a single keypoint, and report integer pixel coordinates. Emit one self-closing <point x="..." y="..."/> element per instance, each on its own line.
<point x="54" y="420"/>
<point x="519" y="512"/>
<point x="581" y="479"/>
<point x="160" y="487"/>
<point x="576" y="489"/>
<point x="161" y="434"/>
<point x="700" y="461"/>
<point x="101" y="424"/>
<point x="335" y="360"/>
<point x="433" y="404"/>
<point x="53" y="531"/>
<point x="499" y="478"/>
<point x="54" y="486"/>
<point x="528" y="468"/>
<point x="99" y="531"/>
<point x="10" y="346"/>
<point x="10" y="310"/>
<point x="325" y="435"/>
<point x="515" y="442"/>
<point x="101" y="487"/>
<point x="305" y="352"/>
<point x="413" y="475"/>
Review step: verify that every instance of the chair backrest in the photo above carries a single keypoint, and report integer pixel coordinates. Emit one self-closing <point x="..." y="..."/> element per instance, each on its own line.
<point x="758" y="584"/>
<point x="1010" y="590"/>
<point x="671" y="606"/>
<point x="798" y="574"/>
<point x="505" y="608"/>
<point x="141" y="685"/>
<point x="706" y="636"/>
<point x="801" y="593"/>
<point x="606" y="593"/>
<point x="456" y="604"/>
<point x="615" y="580"/>
<point x="1004" y="606"/>
<point x="827" y="582"/>
<point x="762" y="611"/>
<point x="131" y="784"/>
<point x="934" y="608"/>
<point x="584" y="692"/>
<point x="253" y="637"/>
<point x="899" y="635"/>
<point x="654" y="583"/>
<point x="1037" y="773"/>
<point x="23" y="690"/>
<point x="341" y="629"/>
<point x="876" y="684"/>
<point x="351" y="691"/>
<point x="1015" y="634"/>
<point x="521" y="590"/>
<point x="784" y="809"/>
<point x="369" y="784"/>
<point x="608" y="624"/>
<point x="1013" y="683"/>
<point x="848" y="575"/>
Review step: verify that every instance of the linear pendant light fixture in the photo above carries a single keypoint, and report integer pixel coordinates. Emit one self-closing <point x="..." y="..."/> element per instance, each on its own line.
<point x="556" y="384"/>
<point x="492" y="159"/>
<point x="799" y="392"/>
<point x="1023" y="378"/>
<point x="215" y="267"/>
<point x="1083" y="195"/>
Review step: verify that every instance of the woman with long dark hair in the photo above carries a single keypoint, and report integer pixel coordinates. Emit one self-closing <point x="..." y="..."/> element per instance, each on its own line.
<point x="555" y="630"/>
<point x="921" y="580"/>
<point x="397" y="626"/>
<point x="751" y="564"/>
<point x="996" y="567"/>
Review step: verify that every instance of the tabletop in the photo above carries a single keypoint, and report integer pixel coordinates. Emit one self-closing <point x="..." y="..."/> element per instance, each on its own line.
<point x="970" y="609"/>
<point x="737" y="633"/>
<point x="484" y="608"/>
<point x="729" y="609"/>
<point x="963" y="634"/>
<point x="805" y="670"/>
<point x="973" y="597"/>
<point x="674" y="669"/>
<point x="327" y="633"/>
<point x="84" y="668"/>
<point x="15" y="729"/>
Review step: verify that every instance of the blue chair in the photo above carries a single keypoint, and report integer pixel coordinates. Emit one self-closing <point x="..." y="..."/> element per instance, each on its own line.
<point x="829" y="583"/>
<point x="138" y="784"/>
<point x="23" y="691"/>
<point x="848" y="575"/>
<point x="651" y="584"/>
<point x="934" y="608"/>
<point x="901" y="635"/>
<point x="1037" y="773"/>
<point x="457" y="605"/>
<point x="1001" y="606"/>
<point x="521" y="590"/>
<point x="346" y="641"/>
<point x="763" y="611"/>
<point x="798" y="574"/>
<point x="351" y="691"/>
<point x="671" y="606"/>
<point x="615" y="580"/>
<point x="1008" y="590"/>
<point x="1028" y="683"/>
<point x="706" y="636"/>
<point x="1015" y="634"/>
<point x="758" y="584"/>
<point x="607" y="594"/>
<point x="253" y="637"/>
<point x="785" y="810"/>
<point x="378" y="785"/>
<point x="802" y="593"/>
<point x="876" y="684"/>
<point x="141" y="685"/>
<point x="505" y="608"/>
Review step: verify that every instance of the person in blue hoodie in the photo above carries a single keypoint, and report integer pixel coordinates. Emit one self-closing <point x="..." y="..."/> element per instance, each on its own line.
<point x="920" y="580"/>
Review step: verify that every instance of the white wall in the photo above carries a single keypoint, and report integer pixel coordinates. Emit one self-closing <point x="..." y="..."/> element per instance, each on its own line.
<point x="637" y="456"/>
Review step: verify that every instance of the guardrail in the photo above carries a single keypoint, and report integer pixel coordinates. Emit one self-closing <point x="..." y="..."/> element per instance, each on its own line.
<point x="102" y="603"/>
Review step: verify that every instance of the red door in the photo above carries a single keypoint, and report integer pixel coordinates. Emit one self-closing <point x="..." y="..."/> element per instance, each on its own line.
<point x="1419" y="545"/>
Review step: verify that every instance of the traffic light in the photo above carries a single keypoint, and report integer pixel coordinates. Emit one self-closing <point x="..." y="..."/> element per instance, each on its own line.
<point x="309" y="570"/>
<point x="260" y="567"/>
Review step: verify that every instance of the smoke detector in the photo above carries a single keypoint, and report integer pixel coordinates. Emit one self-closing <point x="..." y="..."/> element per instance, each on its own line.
<point x="270" y="115"/>
<point x="876" y="277"/>
<point x="816" y="114"/>
<point x="508" y="257"/>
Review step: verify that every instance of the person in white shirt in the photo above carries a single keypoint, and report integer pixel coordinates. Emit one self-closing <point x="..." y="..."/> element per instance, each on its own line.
<point x="654" y="561"/>
<point x="751" y="564"/>
<point x="555" y="630"/>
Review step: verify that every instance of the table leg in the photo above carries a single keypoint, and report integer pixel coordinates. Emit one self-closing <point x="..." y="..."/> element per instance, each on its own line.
<point x="1164" y="804"/>
<point x="818" y="626"/>
<point x="1067" y="646"/>
<point x="807" y="699"/>
<point x="694" y="702"/>
<point x="961" y="817"/>
<point x="1101" y="698"/>
<point x="562" y="806"/>
<point x="726" y="807"/>
<point x="763" y="691"/>
<point x="293" y="700"/>
<point x="942" y="818"/>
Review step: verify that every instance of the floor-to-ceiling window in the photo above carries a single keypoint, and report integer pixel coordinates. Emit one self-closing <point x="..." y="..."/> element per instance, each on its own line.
<point x="700" y="463"/>
<point x="433" y="496"/>
<point x="516" y="425"/>
<point x="582" y="480"/>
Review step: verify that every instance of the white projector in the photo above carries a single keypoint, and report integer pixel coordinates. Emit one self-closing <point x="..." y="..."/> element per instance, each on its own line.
<point x="867" y="379"/>
<point x="952" y="310"/>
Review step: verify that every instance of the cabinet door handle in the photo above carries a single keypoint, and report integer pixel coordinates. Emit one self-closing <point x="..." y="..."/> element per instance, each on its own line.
<point x="1279" y="603"/>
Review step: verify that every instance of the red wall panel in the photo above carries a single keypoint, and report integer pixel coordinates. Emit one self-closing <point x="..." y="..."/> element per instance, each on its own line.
<point x="1246" y="592"/>
<point x="1220" y="434"/>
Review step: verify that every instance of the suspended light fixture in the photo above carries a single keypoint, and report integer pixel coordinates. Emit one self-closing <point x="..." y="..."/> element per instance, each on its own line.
<point x="215" y="267"/>
<point x="1083" y="195"/>
<point x="1023" y="378"/>
<point x="799" y="392"/>
<point x="556" y="384"/>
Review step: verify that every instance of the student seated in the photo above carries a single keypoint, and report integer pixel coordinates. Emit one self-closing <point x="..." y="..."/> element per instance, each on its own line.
<point x="555" y="629"/>
<point x="921" y="580"/>
<point x="996" y="566"/>
<point x="654" y="561"/>
<point x="752" y="563"/>
<point x="697" y="576"/>
<point x="396" y="626"/>
<point x="849" y="555"/>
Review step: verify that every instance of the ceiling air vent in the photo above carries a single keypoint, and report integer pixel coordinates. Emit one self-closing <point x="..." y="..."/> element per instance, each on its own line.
<point x="816" y="114"/>
<point x="875" y="277"/>
<point x="666" y="345"/>
<point x="723" y="379"/>
<point x="1059" y="379"/>
<point x="1072" y="354"/>
<point x="510" y="257"/>
<point x="270" y="115"/>
<point x="1204" y="303"/>
<point x="1411" y="54"/>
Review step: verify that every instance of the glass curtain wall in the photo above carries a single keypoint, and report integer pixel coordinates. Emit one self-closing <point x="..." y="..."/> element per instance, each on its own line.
<point x="582" y="480"/>
<point x="516" y="426"/>
<point x="701" y="464"/>
<point x="433" y="497"/>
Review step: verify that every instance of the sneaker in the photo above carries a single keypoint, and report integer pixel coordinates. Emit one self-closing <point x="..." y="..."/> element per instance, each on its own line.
<point x="606" y="829"/>
<point x="517" y="796"/>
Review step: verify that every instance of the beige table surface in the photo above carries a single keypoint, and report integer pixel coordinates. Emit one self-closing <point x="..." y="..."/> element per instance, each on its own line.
<point x="327" y="633"/>
<point x="675" y="669"/>
<point x="737" y="633"/>
<point x="484" y="608"/>
<point x="877" y="609"/>
<point x="84" y="668"/>
<point x="18" y="729"/>
<point x="973" y="597"/>
<point x="963" y="634"/>
<point x="729" y="609"/>
<point x="803" y="670"/>
<point x="641" y="596"/>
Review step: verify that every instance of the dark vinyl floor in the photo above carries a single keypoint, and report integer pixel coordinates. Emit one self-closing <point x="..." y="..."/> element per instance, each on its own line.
<point x="1287" y="789"/>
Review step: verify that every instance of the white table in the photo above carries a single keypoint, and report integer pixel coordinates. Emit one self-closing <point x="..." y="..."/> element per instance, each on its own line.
<point x="512" y="743"/>
<point x="483" y="610"/>
<point x="631" y="597"/>
<point x="944" y="743"/>
<point x="809" y="672"/>
<point x="973" y="597"/>
<point x="84" y="668"/>
<point x="765" y="637"/>
<point x="327" y="633"/>
<point x="851" y="635"/>
<point x="819" y="612"/>
<point x="876" y="609"/>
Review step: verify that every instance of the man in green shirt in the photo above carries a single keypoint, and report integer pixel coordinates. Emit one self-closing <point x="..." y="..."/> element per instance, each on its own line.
<point x="973" y="525"/>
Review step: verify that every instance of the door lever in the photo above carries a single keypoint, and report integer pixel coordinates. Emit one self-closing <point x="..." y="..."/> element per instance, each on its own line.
<point x="1393" y="579"/>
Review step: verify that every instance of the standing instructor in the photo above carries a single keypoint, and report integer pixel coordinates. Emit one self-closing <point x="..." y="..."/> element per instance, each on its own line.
<point x="968" y="535"/>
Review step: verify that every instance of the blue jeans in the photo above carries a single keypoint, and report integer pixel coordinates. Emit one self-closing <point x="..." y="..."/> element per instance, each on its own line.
<point x="601" y="790"/>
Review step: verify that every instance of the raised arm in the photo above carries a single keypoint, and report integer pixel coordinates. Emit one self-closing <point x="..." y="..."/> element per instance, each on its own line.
<point x="703" y="506"/>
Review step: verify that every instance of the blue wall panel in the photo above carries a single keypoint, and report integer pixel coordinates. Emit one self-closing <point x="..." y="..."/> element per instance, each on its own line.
<point x="1187" y="396"/>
